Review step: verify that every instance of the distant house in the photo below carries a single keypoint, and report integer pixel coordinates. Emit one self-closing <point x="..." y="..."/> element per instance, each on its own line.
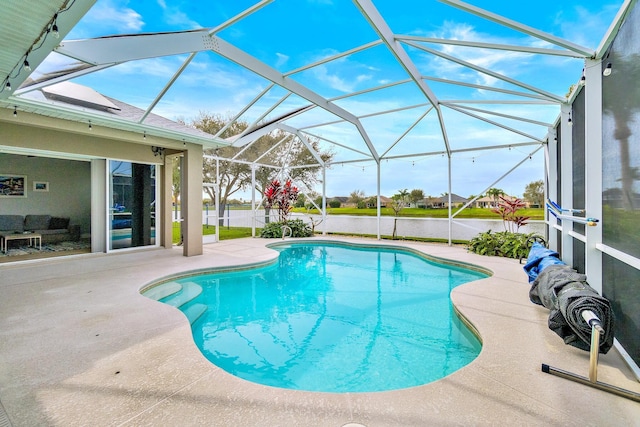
<point x="485" y="202"/>
<point x="490" y="202"/>
<point x="443" y="202"/>
<point x="371" y="201"/>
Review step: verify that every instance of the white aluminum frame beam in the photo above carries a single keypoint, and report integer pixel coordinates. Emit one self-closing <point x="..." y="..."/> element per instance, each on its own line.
<point x="488" y="72"/>
<point x="247" y="61"/>
<point x="586" y="52"/>
<point x="500" y="125"/>
<point x="494" y="46"/>
<point x="495" y="113"/>
<point x="488" y="88"/>
<point x="246" y="107"/>
<point x="381" y="27"/>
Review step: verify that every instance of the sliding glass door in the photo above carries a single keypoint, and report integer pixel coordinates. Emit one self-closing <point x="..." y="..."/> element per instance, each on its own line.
<point x="132" y="208"/>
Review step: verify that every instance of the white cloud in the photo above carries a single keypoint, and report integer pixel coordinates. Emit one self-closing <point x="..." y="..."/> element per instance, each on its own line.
<point x="282" y="59"/>
<point x="500" y="61"/>
<point x="585" y="27"/>
<point x="176" y="17"/>
<point x="345" y="84"/>
<point x="113" y="15"/>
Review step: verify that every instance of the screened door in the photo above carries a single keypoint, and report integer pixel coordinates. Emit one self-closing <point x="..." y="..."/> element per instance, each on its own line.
<point x="132" y="213"/>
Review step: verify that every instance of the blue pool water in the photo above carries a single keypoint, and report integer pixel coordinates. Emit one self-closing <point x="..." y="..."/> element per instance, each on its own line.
<point x="332" y="318"/>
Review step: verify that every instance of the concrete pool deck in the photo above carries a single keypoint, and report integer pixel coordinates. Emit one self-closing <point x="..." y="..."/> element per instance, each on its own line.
<point x="79" y="346"/>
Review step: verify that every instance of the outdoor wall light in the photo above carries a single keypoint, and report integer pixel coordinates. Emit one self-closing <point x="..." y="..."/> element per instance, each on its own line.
<point x="54" y="27"/>
<point x="607" y="71"/>
<point x="157" y="151"/>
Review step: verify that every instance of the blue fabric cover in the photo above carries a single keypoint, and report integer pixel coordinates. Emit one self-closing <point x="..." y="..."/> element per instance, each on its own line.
<point x="540" y="258"/>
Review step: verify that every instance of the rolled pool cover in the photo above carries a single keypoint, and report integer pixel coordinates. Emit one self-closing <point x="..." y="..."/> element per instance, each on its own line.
<point x="567" y="294"/>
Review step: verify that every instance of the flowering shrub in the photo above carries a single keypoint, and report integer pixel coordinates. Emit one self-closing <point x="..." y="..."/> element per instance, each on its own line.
<point x="281" y="196"/>
<point x="507" y="209"/>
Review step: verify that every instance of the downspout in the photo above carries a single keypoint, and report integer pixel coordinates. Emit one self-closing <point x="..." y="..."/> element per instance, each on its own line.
<point x="217" y="199"/>
<point x="324" y="200"/>
<point x="378" y="201"/>
<point x="254" y="211"/>
<point x="450" y="218"/>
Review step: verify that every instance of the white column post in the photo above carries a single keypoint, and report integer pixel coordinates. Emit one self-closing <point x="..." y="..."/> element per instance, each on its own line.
<point x="552" y="184"/>
<point x="566" y="185"/>
<point x="378" y="201"/>
<point x="450" y="217"/>
<point x="593" y="168"/>
<point x="216" y="202"/>
<point x="324" y="201"/>
<point x="254" y="211"/>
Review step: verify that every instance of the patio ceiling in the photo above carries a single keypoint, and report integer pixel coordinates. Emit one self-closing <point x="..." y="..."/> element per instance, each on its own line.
<point x="383" y="91"/>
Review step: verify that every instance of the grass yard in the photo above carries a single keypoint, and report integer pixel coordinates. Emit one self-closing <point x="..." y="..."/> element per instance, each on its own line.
<point x="226" y="233"/>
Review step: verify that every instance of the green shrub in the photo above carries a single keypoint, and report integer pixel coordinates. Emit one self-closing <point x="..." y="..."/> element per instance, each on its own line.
<point x="335" y="203"/>
<point x="273" y="230"/>
<point x="505" y="244"/>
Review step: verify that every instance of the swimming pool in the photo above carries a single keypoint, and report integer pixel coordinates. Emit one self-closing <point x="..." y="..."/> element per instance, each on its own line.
<point x="330" y="317"/>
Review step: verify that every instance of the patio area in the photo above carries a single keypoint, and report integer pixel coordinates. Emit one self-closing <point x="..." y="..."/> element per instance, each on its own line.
<point x="80" y="346"/>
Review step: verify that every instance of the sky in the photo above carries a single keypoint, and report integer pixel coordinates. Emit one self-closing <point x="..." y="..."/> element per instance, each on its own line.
<point x="289" y="34"/>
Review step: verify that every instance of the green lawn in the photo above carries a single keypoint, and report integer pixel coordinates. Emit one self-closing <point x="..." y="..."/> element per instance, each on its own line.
<point x="426" y="213"/>
<point x="226" y="233"/>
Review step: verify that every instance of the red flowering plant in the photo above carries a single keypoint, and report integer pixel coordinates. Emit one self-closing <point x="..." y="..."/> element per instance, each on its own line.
<point x="281" y="196"/>
<point x="508" y="209"/>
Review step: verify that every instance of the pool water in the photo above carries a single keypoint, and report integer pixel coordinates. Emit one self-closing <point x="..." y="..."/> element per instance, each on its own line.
<point x="332" y="318"/>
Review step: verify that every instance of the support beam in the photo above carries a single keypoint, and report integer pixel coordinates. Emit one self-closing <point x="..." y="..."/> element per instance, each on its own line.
<point x="520" y="27"/>
<point x="191" y="200"/>
<point x="166" y="202"/>
<point x="566" y="183"/>
<point x="378" y="23"/>
<point x="593" y="179"/>
<point x="247" y="61"/>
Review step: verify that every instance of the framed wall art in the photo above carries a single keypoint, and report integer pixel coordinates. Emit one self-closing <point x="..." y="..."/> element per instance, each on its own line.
<point x="40" y="186"/>
<point x="13" y="185"/>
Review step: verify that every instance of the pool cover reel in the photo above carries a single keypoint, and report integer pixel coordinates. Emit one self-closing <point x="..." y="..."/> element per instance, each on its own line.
<point x="567" y="294"/>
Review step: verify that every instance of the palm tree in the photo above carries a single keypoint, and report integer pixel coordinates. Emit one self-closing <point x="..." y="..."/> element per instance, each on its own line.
<point x="495" y="194"/>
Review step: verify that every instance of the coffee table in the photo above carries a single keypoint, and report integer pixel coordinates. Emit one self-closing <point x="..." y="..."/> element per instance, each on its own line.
<point x="32" y="237"/>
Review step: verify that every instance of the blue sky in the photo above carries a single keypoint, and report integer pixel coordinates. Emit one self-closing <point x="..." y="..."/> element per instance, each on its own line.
<point x="288" y="34"/>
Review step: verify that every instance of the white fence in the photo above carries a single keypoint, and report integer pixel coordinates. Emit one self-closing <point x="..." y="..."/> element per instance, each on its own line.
<point x="435" y="228"/>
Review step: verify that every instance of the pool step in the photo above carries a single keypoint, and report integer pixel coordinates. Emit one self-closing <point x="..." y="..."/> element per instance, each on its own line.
<point x="194" y="312"/>
<point x="162" y="291"/>
<point x="189" y="292"/>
